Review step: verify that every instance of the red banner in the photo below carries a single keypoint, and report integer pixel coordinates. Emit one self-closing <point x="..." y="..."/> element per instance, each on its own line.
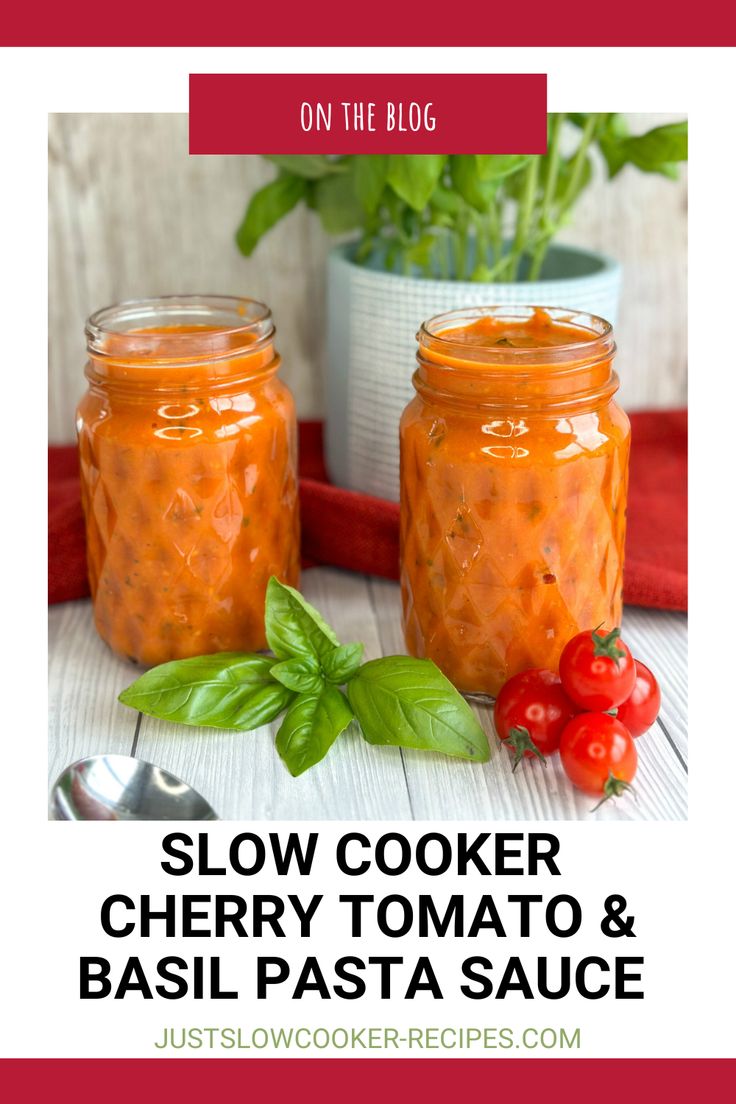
<point x="386" y="22"/>
<point x="363" y="1080"/>
<point x="367" y="113"/>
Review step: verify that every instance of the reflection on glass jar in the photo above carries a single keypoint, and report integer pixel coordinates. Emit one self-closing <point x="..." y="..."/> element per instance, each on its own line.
<point x="514" y="461"/>
<point x="187" y="444"/>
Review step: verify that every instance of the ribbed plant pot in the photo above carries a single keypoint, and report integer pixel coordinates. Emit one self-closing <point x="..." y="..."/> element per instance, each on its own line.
<point x="372" y="320"/>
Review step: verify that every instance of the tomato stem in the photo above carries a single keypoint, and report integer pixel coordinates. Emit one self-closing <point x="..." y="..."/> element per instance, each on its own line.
<point x="606" y="645"/>
<point x="612" y="787"/>
<point x="520" y="740"/>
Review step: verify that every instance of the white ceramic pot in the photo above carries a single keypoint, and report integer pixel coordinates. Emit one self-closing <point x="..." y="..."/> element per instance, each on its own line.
<point x="372" y="320"/>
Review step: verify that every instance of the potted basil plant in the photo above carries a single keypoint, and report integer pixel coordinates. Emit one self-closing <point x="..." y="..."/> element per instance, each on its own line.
<point x="433" y="233"/>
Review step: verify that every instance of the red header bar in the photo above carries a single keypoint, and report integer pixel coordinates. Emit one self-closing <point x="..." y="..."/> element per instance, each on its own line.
<point x="367" y="113"/>
<point x="386" y="23"/>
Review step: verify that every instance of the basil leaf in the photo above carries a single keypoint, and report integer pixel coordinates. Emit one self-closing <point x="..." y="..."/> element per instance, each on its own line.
<point x="293" y="627"/>
<point x="370" y="170"/>
<point x="496" y="166"/>
<point x="409" y="702"/>
<point x="446" y="202"/>
<point x="467" y="182"/>
<point x="267" y="206"/>
<point x="301" y="674"/>
<point x="413" y="176"/>
<point x="311" y="726"/>
<point x="658" y="149"/>
<point x="310" y="166"/>
<point x="342" y="663"/>
<point x="337" y="204"/>
<point x="614" y="152"/>
<point x="230" y="690"/>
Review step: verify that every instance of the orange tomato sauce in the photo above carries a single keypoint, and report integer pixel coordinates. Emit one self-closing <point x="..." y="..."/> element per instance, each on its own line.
<point x="189" y="486"/>
<point x="539" y="331"/>
<point x="514" y="464"/>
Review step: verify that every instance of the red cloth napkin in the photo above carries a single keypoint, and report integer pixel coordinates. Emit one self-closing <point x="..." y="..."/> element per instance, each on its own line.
<point x="361" y="533"/>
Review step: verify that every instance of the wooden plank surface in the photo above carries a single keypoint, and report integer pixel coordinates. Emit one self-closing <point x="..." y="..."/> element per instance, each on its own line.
<point x="85" y="679"/>
<point x="242" y="777"/>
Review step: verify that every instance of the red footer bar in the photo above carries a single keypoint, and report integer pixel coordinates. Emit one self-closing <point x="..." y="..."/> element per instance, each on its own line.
<point x="357" y="1080"/>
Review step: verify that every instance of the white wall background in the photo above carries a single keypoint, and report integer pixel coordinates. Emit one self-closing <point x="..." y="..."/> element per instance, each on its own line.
<point x="132" y="214"/>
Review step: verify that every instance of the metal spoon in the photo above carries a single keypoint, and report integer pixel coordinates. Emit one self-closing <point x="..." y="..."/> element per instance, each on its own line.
<point x="119" y="787"/>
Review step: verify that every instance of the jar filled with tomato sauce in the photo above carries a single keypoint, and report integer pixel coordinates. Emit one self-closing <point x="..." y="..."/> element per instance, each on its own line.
<point x="187" y="442"/>
<point x="514" y="462"/>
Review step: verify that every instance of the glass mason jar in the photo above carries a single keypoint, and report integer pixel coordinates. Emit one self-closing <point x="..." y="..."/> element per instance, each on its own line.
<point x="514" y="461"/>
<point x="188" y="449"/>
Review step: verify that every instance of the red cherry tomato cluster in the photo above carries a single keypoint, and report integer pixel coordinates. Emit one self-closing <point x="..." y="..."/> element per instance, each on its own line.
<point x="591" y="712"/>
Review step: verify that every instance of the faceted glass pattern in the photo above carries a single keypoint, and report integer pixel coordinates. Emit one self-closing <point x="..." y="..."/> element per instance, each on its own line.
<point x="191" y="505"/>
<point x="512" y="535"/>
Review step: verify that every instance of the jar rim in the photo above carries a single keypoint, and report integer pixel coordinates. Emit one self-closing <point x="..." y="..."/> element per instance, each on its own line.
<point x="554" y="377"/>
<point x="238" y="316"/>
<point x="596" y="339"/>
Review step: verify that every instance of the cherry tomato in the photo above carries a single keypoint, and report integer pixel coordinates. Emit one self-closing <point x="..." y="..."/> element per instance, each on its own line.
<point x="639" y="711"/>
<point x="597" y="670"/>
<point x="530" y="713"/>
<point x="598" y="754"/>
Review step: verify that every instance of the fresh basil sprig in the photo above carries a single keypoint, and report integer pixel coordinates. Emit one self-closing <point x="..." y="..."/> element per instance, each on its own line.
<point x="229" y="690"/>
<point x="311" y="726"/>
<point x="293" y="627"/>
<point x="301" y="674"/>
<point x="409" y="702"/>
<point x="397" y="700"/>
<point x="341" y="664"/>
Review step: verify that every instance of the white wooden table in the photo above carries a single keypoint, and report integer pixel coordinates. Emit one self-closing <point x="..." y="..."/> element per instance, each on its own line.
<point x="243" y="778"/>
